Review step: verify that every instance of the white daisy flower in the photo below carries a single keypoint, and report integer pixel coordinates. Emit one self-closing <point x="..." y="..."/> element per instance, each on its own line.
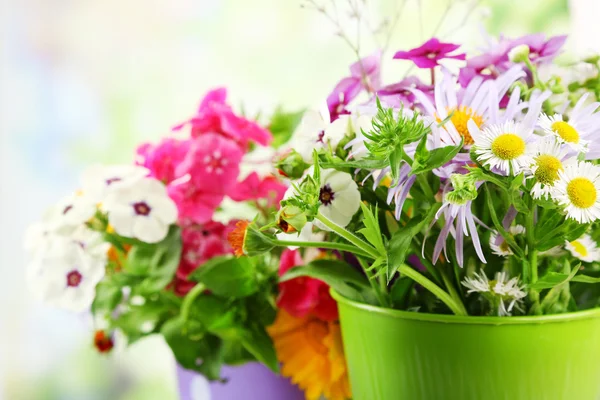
<point x="563" y="131"/>
<point x="548" y="161"/>
<point x="339" y="197"/>
<point x="143" y="211"/>
<point x="584" y="248"/>
<point x="502" y="293"/>
<point x="577" y="190"/>
<point x="499" y="246"/>
<point x="66" y="277"/>
<point x="506" y="147"/>
<point x="99" y="180"/>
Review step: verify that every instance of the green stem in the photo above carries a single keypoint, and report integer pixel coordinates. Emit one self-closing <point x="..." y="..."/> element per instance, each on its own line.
<point x="532" y="253"/>
<point x="381" y="295"/>
<point x="453" y="292"/>
<point x="189" y="299"/>
<point x="349" y="236"/>
<point x="324" y="245"/>
<point x="433" y="288"/>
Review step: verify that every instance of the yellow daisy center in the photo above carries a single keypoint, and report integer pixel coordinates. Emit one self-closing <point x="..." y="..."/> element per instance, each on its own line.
<point x="508" y="146"/>
<point x="504" y="247"/>
<point x="547" y="169"/>
<point x="460" y="117"/>
<point x="566" y="131"/>
<point x="582" y="192"/>
<point x="579" y="248"/>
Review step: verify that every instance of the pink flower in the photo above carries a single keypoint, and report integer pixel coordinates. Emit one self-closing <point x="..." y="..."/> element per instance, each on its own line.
<point x="216" y="116"/>
<point x="162" y="159"/>
<point x="254" y="188"/>
<point x="213" y="163"/>
<point x="364" y="74"/>
<point x="428" y="54"/>
<point x="303" y="296"/>
<point x="194" y="204"/>
<point x="200" y="244"/>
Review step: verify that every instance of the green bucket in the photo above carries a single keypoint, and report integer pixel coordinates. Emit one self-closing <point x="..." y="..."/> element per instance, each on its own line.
<point x="401" y="355"/>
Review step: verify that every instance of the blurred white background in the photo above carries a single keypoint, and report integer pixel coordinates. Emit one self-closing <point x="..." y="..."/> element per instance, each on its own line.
<point x="85" y="81"/>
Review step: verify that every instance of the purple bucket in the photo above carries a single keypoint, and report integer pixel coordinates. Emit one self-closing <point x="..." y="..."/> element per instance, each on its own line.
<point x="250" y="381"/>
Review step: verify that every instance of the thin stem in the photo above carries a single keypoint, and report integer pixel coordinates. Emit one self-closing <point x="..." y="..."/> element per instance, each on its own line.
<point x="381" y="295"/>
<point x="453" y="292"/>
<point x="433" y="288"/>
<point x="532" y="253"/>
<point x="432" y="71"/>
<point x="361" y="244"/>
<point x="189" y="299"/>
<point x="324" y="245"/>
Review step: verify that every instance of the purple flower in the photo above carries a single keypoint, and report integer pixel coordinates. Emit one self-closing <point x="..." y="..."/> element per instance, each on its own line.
<point x="428" y="55"/>
<point x="364" y="74"/>
<point x="540" y="49"/>
<point x="402" y="93"/>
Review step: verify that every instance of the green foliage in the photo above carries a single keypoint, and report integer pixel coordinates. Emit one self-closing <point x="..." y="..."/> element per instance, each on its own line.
<point x="426" y="160"/>
<point x="228" y="276"/>
<point x="283" y="124"/>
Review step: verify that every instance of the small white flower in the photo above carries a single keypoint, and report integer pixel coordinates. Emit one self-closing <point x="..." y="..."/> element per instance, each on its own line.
<point x="339" y="197"/>
<point x="143" y="211"/>
<point x="502" y="293"/>
<point x="66" y="277"/>
<point x="577" y="190"/>
<point x="99" y="180"/>
<point x="548" y="161"/>
<point x="563" y="131"/>
<point x="499" y="246"/>
<point x="70" y="212"/>
<point x="506" y="147"/>
<point x="91" y="242"/>
<point x="310" y="134"/>
<point x="584" y="248"/>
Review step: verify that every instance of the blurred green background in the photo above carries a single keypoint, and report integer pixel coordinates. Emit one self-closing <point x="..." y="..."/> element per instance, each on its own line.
<point x="85" y="81"/>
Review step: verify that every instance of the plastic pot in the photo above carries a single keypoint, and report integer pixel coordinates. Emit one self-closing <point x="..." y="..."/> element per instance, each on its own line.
<point x="401" y="355"/>
<point x="251" y="381"/>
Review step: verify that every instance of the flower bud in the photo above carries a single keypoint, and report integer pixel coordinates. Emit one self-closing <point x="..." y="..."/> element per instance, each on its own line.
<point x="519" y="53"/>
<point x="292" y="165"/>
<point x="464" y="189"/>
<point x="291" y="219"/>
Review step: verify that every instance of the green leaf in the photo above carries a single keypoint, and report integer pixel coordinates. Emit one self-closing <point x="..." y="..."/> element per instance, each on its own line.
<point x="552" y="279"/>
<point x="399" y="245"/>
<point x="215" y="314"/>
<point x="364" y="163"/>
<point x="228" y="276"/>
<point x="156" y="263"/>
<point x="258" y="343"/>
<point x="585" y="279"/>
<point x="333" y="272"/>
<point x="426" y="160"/>
<point x="372" y="231"/>
<point x="203" y="354"/>
<point x="400" y="290"/>
<point x="283" y="124"/>
<point x="108" y="296"/>
<point x="143" y="320"/>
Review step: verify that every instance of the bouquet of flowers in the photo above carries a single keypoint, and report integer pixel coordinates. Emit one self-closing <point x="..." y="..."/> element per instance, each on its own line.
<point x="127" y="245"/>
<point x="477" y="194"/>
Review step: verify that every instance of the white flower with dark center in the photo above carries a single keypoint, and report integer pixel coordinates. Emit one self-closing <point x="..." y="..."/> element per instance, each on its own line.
<point x="339" y="197"/>
<point x="499" y="246"/>
<point x="99" y="180"/>
<point x="548" y="161"/>
<point x="505" y="147"/>
<point x="66" y="276"/>
<point x="584" y="248"/>
<point x="310" y="135"/>
<point x="502" y="293"/>
<point x="91" y="242"/>
<point x="578" y="191"/>
<point x="70" y="212"/>
<point x="143" y="211"/>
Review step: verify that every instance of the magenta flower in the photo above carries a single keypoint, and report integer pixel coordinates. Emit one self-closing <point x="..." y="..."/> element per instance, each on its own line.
<point x="212" y="163"/>
<point x="402" y="93"/>
<point x="255" y="188"/>
<point x="540" y="49"/>
<point x="163" y="158"/>
<point x="194" y="204"/>
<point x="364" y="75"/>
<point x="428" y="54"/>
<point x="215" y="116"/>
